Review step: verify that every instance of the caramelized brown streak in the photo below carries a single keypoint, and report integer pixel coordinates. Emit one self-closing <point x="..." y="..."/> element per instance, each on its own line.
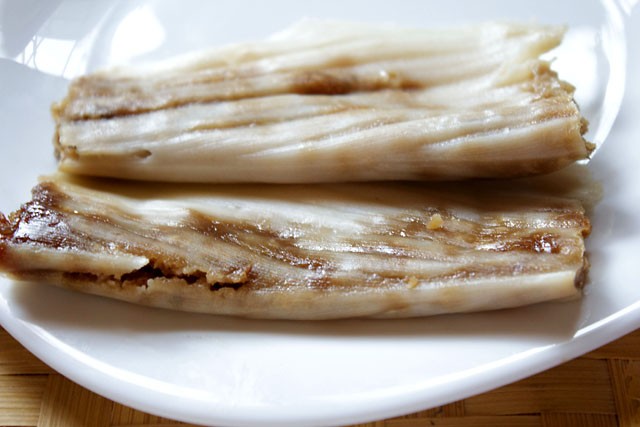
<point x="535" y="242"/>
<point x="51" y="220"/>
<point x="341" y="83"/>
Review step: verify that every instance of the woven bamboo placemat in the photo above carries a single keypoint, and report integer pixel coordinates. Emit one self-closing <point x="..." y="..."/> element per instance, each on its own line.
<point x="599" y="389"/>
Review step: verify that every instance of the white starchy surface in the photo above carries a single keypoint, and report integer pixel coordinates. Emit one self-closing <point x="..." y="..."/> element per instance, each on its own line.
<point x="302" y="251"/>
<point x="352" y="103"/>
<point x="242" y="372"/>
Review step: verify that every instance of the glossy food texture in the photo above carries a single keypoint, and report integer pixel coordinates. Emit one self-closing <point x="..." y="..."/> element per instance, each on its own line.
<point x="299" y="251"/>
<point x="331" y="102"/>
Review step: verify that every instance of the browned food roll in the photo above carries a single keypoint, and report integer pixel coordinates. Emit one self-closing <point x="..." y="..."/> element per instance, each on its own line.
<point x="328" y="102"/>
<point x="299" y="251"/>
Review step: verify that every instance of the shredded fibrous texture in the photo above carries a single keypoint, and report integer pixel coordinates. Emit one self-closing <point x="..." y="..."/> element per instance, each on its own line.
<point x="247" y="152"/>
<point x="299" y="252"/>
<point x="326" y="102"/>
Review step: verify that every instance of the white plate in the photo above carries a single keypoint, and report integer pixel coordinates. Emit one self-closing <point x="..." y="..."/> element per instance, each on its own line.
<point x="222" y="371"/>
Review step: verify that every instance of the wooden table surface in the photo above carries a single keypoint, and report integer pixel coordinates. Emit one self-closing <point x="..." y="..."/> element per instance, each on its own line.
<point x="601" y="388"/>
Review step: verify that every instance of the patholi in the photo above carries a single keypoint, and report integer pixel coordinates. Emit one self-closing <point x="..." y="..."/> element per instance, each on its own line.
<point x="321" y="103"/>
<point x="299" y="251"/>
<point x="330" y="102"/>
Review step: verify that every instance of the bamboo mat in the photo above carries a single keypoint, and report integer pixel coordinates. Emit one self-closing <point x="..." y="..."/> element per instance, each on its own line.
<point x="599" y="389"/>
